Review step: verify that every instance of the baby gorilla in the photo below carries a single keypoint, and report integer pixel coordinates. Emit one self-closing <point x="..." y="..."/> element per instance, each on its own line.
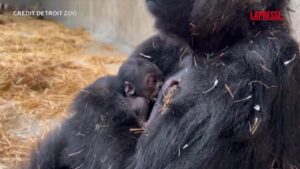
<point x="116" y="103"/>
<point x="141" y="82"/>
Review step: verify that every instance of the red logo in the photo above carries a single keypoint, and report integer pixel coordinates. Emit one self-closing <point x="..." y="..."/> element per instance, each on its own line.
<point x="266" y="16"/>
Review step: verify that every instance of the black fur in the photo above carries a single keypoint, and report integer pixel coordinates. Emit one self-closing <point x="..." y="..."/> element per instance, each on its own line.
<point x="99" y="120"/>
<point x="210" y="129"/>
<point x="102" y="115"/>
<point x="255" y="66"/>
<point x="236" y="104"/>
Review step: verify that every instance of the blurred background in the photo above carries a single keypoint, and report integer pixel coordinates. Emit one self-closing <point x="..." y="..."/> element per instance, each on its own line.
<point x="45" y="62"/>
<point x="124" y="23"/>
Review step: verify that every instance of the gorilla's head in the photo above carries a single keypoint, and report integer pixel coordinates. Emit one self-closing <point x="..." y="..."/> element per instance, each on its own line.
<point x="216" y="23"/>
<point x="172" y="16"/>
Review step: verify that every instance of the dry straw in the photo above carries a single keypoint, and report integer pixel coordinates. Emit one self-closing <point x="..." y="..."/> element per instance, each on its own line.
<point x="42" y="66"/>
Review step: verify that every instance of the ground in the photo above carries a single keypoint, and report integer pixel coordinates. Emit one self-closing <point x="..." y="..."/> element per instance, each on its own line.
<point x="43" y="65"/>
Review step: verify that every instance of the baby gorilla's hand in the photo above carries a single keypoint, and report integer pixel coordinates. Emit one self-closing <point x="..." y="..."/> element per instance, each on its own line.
<point x="139" y="107"/>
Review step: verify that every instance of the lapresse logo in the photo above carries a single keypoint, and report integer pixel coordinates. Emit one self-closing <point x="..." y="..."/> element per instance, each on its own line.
<point x="266" y="16"/>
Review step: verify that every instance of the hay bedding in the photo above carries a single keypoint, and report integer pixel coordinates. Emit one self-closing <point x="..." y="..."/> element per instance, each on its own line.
<point x="42" y="66"/>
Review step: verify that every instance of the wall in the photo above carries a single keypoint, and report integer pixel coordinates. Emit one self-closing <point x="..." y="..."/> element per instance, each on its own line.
<point x="295" y="18"/>
<point x="20" y="3"/>
<point x="124" y="23"/>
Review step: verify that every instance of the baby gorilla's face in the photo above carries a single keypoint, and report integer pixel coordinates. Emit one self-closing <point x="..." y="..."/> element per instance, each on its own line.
<point x="152" y="85"/>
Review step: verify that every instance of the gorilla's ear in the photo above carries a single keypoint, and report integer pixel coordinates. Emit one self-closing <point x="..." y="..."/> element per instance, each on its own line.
<point x="129" y="88"/>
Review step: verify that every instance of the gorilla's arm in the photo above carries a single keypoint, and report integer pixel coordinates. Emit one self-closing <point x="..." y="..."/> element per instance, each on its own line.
<point x="164" y="53"/>
<point x="47" y="154"/>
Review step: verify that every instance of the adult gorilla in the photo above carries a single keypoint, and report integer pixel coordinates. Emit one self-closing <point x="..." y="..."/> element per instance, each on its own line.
<point x="232" y="89"/>
<point x="235" y="106"/>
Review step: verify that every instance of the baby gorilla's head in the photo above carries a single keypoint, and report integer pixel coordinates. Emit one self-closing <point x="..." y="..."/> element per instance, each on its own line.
<point x="141" y="83"/>
<point x="141" y="78"/>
